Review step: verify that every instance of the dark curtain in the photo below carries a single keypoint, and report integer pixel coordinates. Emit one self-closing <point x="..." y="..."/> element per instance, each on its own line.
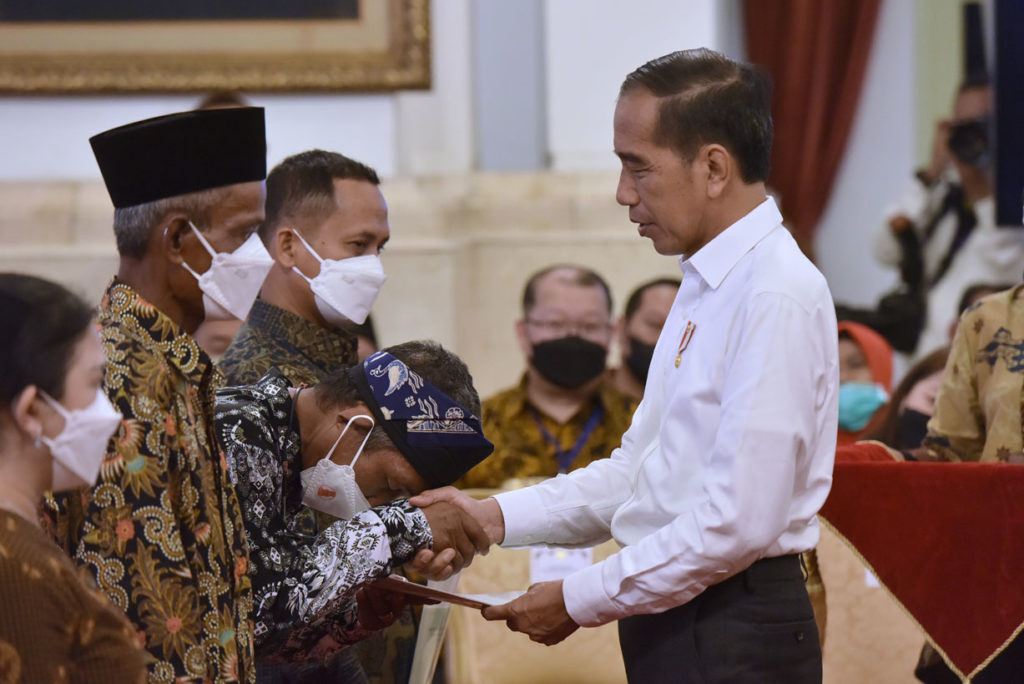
<point x="816" y="52"/>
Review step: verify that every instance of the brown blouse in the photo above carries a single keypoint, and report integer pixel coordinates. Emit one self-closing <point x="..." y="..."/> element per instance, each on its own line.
<point x="54" y="628"/>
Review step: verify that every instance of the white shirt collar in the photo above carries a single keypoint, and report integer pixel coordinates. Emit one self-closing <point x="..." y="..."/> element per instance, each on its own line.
<point x="714" y="260"/>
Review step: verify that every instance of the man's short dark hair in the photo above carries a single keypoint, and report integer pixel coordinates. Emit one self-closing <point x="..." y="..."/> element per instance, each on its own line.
<point x="975" y="291"/>
<point x="708" y="98"/>
<point x="302" y="186"/>
<point x="637" y="295"/>
<point x="435" y="364"/>
<point x="574" y="275"/>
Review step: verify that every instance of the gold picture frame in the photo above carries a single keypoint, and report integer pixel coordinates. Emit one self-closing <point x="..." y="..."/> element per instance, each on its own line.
<point x="387" y="47"/>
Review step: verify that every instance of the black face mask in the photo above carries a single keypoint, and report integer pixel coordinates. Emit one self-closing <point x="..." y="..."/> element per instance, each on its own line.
<point x="639" y="360"/>
<point x="911" y="429"/>
<point x="569" y="362"/>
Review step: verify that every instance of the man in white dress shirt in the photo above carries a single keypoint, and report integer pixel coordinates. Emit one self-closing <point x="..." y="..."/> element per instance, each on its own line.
<point x="714" y="491"/>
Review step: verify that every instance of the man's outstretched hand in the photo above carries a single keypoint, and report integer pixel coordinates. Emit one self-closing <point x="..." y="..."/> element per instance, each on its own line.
<point x="457" y="538"/>
<point x="539" y="613"/>
<point x="444" y="559"/>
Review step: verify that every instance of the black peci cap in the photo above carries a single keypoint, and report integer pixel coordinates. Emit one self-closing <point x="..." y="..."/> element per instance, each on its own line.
<point x="181" y="153"/>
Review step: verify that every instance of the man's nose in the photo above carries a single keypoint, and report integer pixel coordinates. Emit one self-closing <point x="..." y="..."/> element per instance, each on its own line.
<point x="625" y="193"/>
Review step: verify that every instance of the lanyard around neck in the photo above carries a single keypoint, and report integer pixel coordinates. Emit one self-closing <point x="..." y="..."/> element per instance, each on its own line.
<point x="567" y="456"/>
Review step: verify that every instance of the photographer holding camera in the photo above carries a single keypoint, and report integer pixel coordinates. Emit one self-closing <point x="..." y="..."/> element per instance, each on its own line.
<point x="942" y="235"/>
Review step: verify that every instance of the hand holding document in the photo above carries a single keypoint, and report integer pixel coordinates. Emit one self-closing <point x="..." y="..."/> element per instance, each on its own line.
<point x="400" y="585"/>
<point x="539" y="613"/>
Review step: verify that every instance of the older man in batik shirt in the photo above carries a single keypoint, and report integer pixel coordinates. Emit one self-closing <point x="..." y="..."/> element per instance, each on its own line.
<point x="162" y="530"/>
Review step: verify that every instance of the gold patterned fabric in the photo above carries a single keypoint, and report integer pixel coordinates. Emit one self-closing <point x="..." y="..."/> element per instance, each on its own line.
<point x="271" y="337"/>
<point x="978" y="411"/>
<point x="815" y="585"/>
<point x="521" y="449"/>
<point x="162" y="530"/>
<point x="53" y="627"/>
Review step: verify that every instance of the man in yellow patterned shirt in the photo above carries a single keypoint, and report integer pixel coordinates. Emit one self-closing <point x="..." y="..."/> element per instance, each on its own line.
<point x="565" y="412"/>
<point x="162" y="531"/>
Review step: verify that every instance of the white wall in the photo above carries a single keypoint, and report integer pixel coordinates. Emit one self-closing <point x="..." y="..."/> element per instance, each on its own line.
<point x="46" y="138"/>
<point x="878" y="164"/>
<point x="591" y="46"/>
<point x="435" y="128"/>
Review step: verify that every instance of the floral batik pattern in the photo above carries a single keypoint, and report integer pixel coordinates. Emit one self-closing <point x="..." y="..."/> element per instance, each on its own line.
<point x="978" y="413"/>
<point x="304" y="580"/>
<point x="162" y="530"/>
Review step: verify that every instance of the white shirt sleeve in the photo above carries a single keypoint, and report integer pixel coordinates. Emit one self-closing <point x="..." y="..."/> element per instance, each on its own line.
<point x="574" y="509"/>
<point x="771" y="446"/>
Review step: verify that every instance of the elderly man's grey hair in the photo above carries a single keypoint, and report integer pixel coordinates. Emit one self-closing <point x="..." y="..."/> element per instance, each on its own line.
<point x="134" y="225"/>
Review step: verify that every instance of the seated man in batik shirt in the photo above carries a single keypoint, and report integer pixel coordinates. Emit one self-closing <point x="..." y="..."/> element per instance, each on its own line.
<point x="289" y="451"/>
<point x="565" y="412"/>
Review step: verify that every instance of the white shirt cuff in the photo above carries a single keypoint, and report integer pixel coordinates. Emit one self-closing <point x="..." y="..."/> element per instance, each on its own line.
<point x="526" y="520"/>
<point x="585" y="599"/>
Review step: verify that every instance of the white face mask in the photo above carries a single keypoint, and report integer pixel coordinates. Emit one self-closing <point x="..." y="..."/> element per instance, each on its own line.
<point x="79" y="448"/>
<point x="233" y="281"/>
<point x="332" y="488"/>
<point x="344" y="289"/>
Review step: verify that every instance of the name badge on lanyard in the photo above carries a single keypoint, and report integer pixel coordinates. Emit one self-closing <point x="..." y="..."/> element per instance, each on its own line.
<point x="684" y="341"/>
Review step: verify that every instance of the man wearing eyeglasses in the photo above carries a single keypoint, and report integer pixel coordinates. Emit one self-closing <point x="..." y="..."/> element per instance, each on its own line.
<point x="564" y="413"/>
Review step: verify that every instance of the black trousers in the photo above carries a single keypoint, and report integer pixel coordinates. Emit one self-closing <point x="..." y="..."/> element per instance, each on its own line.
<point x="757" y="627"/>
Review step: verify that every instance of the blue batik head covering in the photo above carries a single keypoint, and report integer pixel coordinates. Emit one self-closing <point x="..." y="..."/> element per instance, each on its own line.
<point x="441" y="439"/>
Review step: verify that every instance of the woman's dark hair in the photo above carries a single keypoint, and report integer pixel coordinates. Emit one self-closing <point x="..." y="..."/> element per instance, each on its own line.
<point x="887" y="433"/>
<point x="40" y="324"/>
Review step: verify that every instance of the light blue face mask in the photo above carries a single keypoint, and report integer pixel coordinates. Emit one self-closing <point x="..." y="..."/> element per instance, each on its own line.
<point x="858" y="401"/>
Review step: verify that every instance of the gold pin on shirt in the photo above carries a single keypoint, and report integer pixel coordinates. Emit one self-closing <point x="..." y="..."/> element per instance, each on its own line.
<point x="684" y="341"/>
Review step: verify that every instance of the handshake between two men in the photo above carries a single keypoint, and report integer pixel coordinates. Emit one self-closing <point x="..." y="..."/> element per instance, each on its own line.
<point x="323" y="475"/>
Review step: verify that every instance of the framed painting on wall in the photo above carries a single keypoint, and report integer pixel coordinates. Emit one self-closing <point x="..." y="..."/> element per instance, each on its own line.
<point x="71" y="46"/>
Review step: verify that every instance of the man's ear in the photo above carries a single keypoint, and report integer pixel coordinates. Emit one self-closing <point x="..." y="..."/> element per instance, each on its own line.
<point x="25" y="410"/>
<point x="720" y="167"/>
<point x="172" y="233"/>
<point x="284" y="245"/>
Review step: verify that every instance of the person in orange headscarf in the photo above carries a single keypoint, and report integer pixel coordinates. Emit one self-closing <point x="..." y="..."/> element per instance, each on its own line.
<point x="865" y="380"/>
